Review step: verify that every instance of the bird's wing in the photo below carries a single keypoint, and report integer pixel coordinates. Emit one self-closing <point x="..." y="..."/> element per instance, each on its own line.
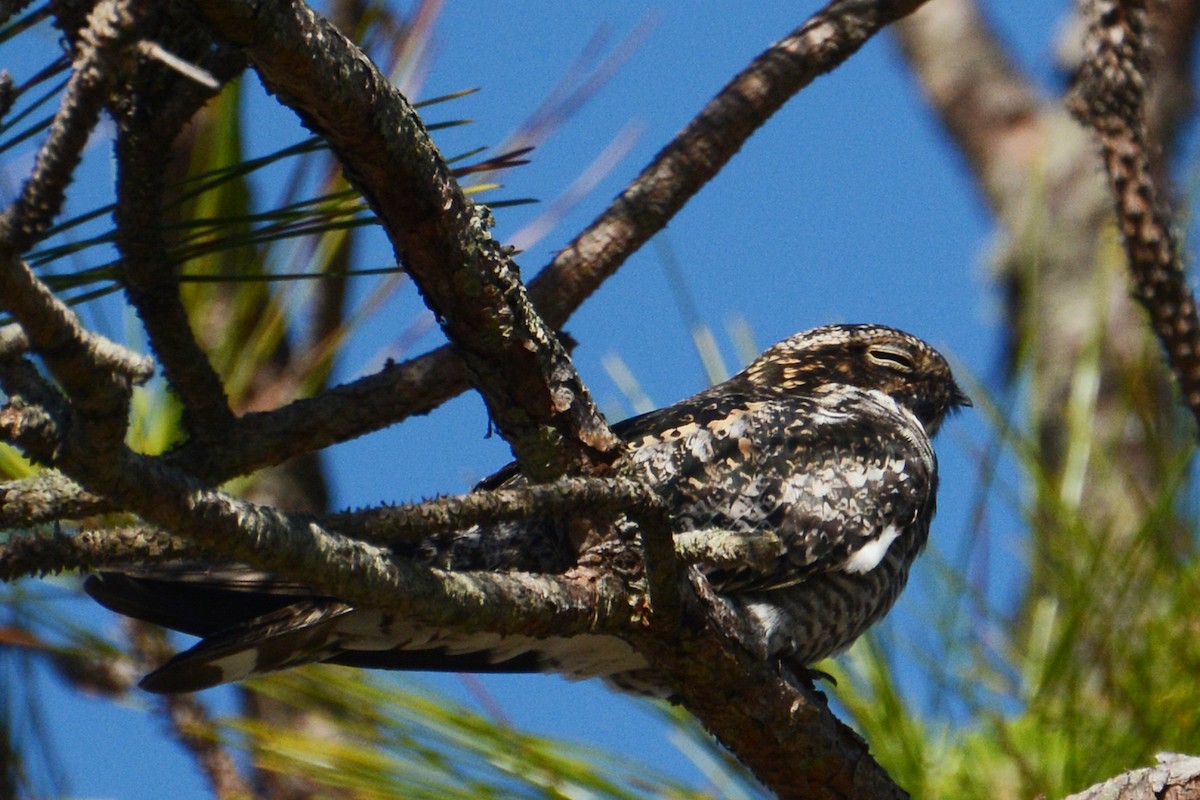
<point x="253" y="624"/>
<point x="195" y="598"/>
<point x="839" y="479"/>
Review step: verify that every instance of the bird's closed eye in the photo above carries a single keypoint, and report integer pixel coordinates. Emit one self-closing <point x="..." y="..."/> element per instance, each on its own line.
<point x="891" y="357"/>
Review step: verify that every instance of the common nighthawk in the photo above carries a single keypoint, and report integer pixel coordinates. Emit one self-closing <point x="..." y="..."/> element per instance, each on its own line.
<point x="824" y="440"/>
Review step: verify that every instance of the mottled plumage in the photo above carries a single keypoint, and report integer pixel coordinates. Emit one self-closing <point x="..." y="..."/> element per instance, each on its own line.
<point x="823" y="440"/>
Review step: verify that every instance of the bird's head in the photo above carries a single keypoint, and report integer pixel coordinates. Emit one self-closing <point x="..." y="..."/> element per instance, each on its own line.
<point x="868" y="357"/>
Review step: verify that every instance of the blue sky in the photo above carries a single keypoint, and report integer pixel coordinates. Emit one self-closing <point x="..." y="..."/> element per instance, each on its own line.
<point x="849" y="205"/>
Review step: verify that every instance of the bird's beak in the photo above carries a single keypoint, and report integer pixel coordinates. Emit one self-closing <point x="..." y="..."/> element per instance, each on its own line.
<point x="959" y="398"/>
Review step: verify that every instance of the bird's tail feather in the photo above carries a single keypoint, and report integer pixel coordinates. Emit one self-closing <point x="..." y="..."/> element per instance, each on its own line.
<point x="304" y="632"/>
<point x="251" y="623"/>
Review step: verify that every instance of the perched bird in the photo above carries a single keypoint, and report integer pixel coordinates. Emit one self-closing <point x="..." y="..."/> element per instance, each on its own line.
<point x="824" y="441"/>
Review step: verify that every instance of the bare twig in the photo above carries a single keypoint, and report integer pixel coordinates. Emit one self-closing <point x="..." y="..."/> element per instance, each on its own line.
<point x="96" y="372"/>
<point x="184" y="67"/>
<point x="1109" y="96"/>
<point x="109" y="29"/>
<point x="150" y="279"/>
<point x="704" y="146"/>
<point x="46" y="497"/>
<point x="41" y="553"/>
<point x="392" y="525"/>
<point x="8" y="8"/>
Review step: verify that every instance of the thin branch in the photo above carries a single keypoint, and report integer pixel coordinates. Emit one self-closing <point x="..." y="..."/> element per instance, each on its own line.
<point x="9" y="8"/>
<point x="108" y="31"/>
<point x="46" y="497"/>
<point x="150" y="279"/>
<point x="345" y="412"/>
<point x="96" y="372"/>
<point x="758" y="551"/>
<point x="532" y="391"/>
<point x="41" y="553"/>
<point x="704" y="147"/>
<point x="1109" y="96"/>
<point x="52" y="329"/>
<point x="409" y="523"/>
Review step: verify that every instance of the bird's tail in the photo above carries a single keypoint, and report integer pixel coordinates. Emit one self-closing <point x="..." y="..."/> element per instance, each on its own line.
<point x="252" y="624"/>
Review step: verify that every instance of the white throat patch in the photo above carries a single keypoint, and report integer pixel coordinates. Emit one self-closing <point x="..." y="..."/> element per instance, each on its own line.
<point x="867" y="557"/>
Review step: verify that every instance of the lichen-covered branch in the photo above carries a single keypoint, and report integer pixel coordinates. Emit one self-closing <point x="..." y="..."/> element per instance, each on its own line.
<point x="46" y="497"/>
<point x="299" y="549"/>
<point x="722" y="549"/>
<point x="42" y="552"/>
<point x="407" y="523"/>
